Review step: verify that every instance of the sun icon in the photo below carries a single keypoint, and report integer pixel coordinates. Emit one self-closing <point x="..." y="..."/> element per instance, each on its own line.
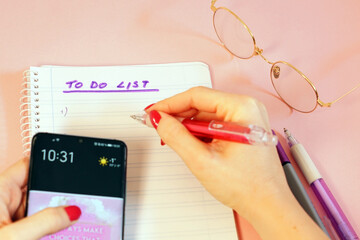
<point x="103" y="161"/>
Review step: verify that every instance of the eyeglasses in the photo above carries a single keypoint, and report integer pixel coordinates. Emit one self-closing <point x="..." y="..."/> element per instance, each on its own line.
<point x="293" y="87"/>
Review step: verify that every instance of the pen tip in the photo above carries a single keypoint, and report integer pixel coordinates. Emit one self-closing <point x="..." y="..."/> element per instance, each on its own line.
<point x="287" y="133"/>
<point x="139" y="118"/>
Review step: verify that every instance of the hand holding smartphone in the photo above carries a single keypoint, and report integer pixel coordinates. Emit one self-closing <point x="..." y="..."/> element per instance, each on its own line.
<point x="87" y="172"/>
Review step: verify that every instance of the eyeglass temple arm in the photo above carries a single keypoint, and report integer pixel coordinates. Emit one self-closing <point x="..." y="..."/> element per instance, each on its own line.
<point x="323" y="104"/>
<point x="213" y="8"/>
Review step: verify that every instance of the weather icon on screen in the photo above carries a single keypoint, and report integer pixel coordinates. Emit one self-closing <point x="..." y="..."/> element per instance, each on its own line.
<point x="103" y="161"/>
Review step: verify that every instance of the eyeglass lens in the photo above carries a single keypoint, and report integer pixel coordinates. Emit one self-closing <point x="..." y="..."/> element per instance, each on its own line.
<point x="293" y="88"/>
<point x="233" y="34"/>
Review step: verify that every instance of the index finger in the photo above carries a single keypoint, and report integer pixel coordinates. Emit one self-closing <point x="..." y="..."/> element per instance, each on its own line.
<point x="226" y="106"/>
<point x="200" y="98"/>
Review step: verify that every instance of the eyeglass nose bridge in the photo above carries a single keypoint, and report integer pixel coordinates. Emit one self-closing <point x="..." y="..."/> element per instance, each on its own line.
<point x="259" y="51"/>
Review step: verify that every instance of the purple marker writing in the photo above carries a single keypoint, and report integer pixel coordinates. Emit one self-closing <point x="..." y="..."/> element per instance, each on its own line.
<point x="110" y="91"/>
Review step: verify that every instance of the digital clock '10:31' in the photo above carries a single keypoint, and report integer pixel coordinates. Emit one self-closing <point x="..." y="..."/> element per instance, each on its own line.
<point x="63" y="156"/>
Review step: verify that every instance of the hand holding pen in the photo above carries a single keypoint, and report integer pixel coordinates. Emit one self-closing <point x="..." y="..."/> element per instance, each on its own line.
<point x="246" y="178"/>
<point x="214" y="129"/>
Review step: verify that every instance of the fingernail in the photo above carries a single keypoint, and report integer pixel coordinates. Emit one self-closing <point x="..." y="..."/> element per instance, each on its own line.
<point x="155" y="118"/>
<point x="149" y="106"/>
<point x="162" y="143"/>
<point x="73" y="212"/>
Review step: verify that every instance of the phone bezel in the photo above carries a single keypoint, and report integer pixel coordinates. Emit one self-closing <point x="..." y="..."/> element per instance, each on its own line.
<point x="56" y="135"/>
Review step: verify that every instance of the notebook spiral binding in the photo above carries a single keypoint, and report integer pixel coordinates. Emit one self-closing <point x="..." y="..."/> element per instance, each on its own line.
<point x="29" y="125"/>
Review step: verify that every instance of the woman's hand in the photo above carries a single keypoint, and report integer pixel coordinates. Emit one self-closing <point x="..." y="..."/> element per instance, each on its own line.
<point x="247" y="178"/>
<point x="238" y="175"/>
<point x="13" y="225"/>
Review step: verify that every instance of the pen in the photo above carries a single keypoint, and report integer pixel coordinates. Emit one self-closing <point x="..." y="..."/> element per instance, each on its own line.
<point x="337" y="218"/>
<point x="229" y="131"/>
<point x="297" y="188"/>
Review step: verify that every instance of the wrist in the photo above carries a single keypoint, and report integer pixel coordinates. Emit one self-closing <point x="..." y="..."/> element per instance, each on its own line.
<point x="280" y="216"/>
<point x="268" y="205"/>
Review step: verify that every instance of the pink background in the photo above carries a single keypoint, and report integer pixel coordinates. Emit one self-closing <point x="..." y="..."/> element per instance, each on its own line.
<point x="322" y="38"/>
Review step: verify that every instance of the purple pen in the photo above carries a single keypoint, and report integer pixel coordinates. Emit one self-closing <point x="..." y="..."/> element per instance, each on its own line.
<point x="297" y="188"/>
<point x="337" y="218"/>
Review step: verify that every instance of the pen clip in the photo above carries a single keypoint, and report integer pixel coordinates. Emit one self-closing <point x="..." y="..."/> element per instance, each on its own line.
<point x="252" y="133"/>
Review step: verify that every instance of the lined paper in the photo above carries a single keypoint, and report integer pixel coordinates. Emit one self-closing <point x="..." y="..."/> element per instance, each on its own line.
<point x="164" y="200"/>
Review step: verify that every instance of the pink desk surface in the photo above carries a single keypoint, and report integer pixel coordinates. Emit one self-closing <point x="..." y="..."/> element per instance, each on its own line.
<point x="322" y="38"/>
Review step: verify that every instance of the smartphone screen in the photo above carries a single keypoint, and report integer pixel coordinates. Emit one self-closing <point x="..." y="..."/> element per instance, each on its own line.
<point x="87" y="172"/>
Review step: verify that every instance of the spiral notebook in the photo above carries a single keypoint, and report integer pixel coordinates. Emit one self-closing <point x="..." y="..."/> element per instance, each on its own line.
<point x="164" y="200"/>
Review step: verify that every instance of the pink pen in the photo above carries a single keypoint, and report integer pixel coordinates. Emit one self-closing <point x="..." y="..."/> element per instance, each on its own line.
<point x="229" y="131"/>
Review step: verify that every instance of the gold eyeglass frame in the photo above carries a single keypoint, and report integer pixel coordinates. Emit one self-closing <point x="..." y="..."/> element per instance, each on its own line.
<point x="259" y="51"/>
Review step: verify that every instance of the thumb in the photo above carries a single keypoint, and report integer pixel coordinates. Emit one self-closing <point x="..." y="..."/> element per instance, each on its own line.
<point x="45" y="222"/>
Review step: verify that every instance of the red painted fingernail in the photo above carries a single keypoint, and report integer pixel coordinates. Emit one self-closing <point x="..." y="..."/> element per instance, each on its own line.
<point x="148" y="106"/>
<point x="73" y="212"/>
<point x="155" y="118"/>
<point x="162" y="143"/>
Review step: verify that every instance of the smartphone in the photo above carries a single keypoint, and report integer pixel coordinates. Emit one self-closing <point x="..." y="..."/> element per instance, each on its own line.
<point x="87" y="172"/>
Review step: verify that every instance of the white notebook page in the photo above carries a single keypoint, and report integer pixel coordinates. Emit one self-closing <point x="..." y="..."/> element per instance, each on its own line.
<point x="164" y="200"/>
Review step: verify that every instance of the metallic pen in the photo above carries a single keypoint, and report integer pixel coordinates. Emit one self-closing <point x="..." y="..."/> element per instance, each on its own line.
<point x="337" y="218"/>
<point x="297" y="188"/>
<point x="229" y="131"/>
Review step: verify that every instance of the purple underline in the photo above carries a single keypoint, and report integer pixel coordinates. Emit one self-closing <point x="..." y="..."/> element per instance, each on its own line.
<point x="110" y="91"/>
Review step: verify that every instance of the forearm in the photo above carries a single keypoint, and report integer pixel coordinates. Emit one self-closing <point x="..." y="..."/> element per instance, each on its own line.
<point x="283" y="218"/>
